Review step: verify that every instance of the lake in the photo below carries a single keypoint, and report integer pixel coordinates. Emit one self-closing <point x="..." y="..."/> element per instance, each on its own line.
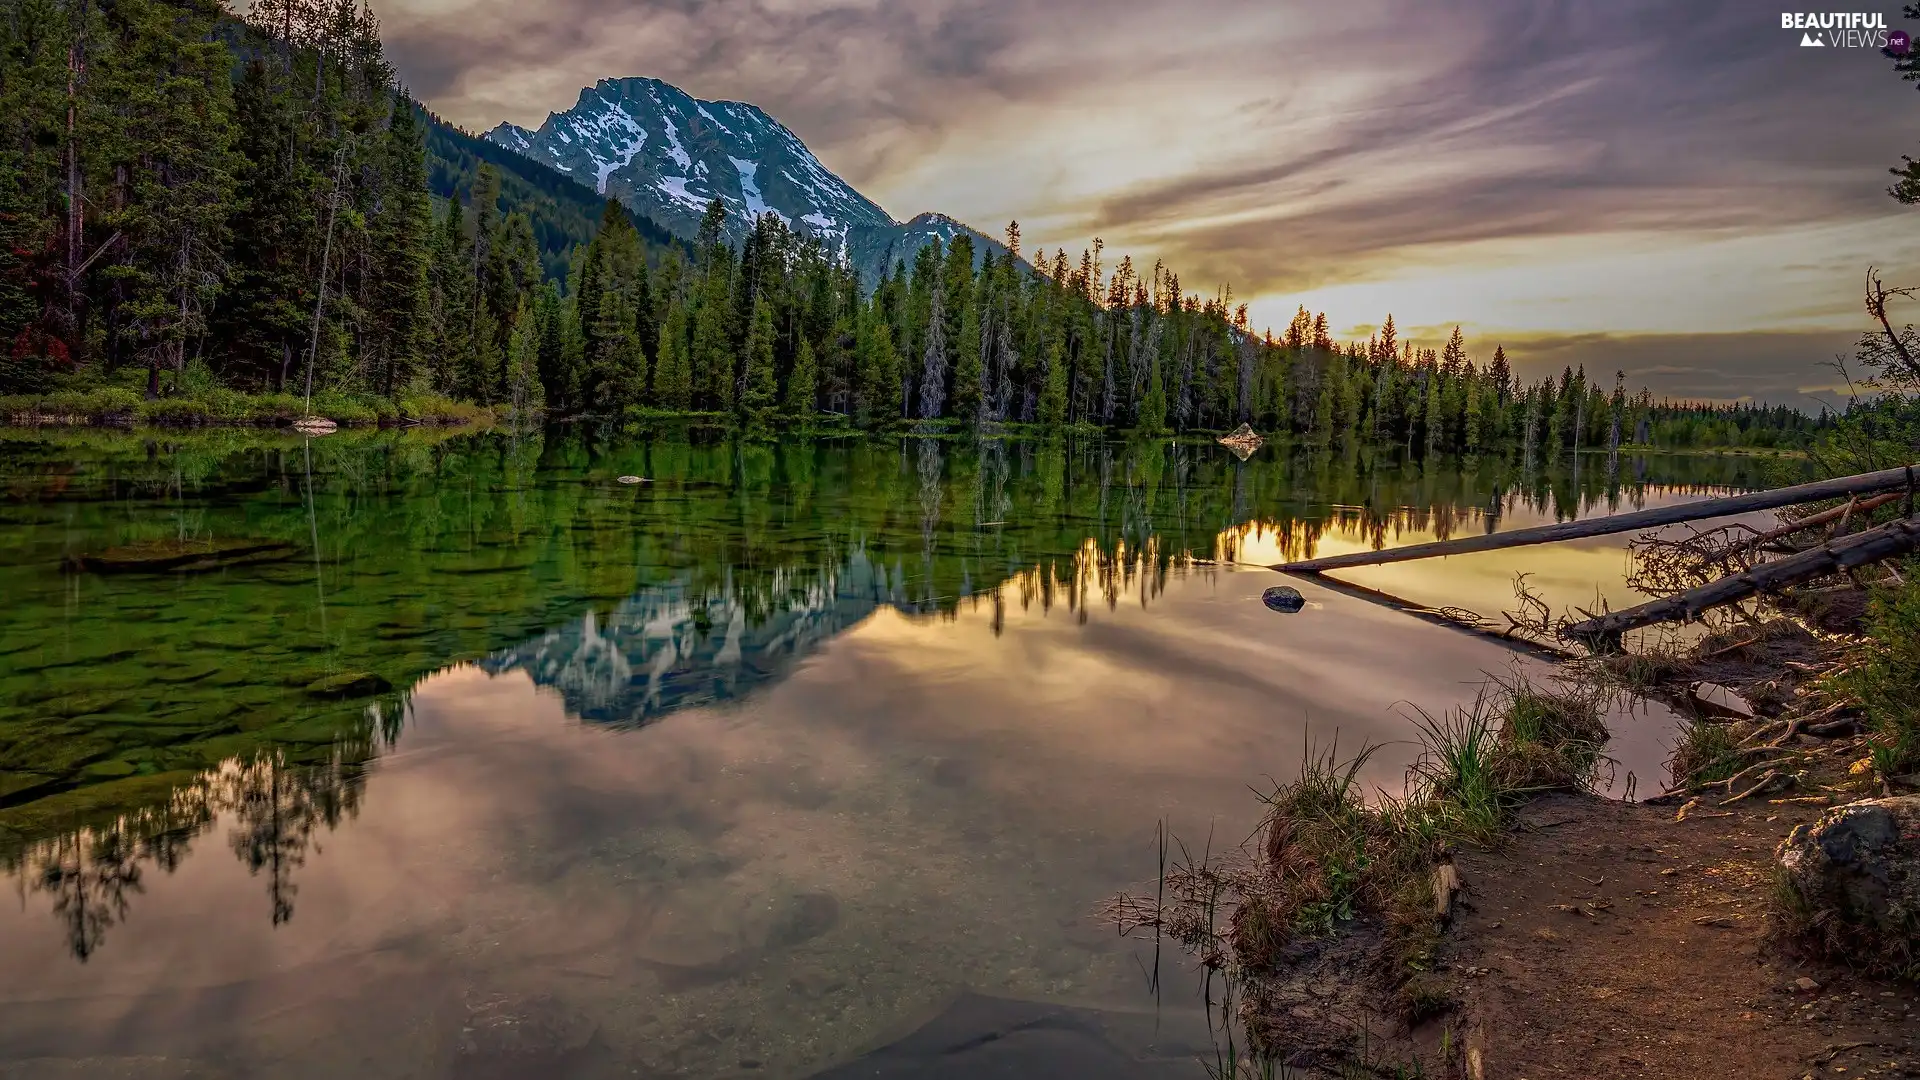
<point x="450" y="754"/>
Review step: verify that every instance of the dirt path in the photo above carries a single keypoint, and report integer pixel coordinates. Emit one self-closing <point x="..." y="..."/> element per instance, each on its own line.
<point x="1609" y="940"/>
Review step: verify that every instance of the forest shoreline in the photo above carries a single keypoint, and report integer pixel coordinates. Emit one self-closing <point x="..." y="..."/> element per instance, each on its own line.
<point x="123" y="409"/>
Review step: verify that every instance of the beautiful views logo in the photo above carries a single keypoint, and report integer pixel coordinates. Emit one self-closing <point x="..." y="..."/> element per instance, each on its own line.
<point x="1843" y="30"/>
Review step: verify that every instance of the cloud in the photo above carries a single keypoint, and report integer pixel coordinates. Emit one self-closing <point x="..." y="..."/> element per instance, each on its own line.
<point x="1776" y="368"/>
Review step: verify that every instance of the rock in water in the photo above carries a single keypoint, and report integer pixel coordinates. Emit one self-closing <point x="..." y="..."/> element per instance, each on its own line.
<point x="633" y="479"/>
<point x="1858" y="870"/>
<point x="1283" y="598"/>
<point x="1243" y="441"/>
<point x="348" y="684"/>
<point x="315" y="425"/>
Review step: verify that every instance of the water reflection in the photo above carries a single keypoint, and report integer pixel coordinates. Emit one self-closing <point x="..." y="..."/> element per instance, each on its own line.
<point x="879" y="761"/>
<point x="275" y="810"/>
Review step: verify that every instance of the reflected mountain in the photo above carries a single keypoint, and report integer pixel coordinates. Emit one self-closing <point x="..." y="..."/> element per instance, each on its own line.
<point x="677" y="645"/>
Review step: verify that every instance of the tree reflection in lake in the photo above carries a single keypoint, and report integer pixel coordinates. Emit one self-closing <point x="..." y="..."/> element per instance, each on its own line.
<point x="137" y="710"/>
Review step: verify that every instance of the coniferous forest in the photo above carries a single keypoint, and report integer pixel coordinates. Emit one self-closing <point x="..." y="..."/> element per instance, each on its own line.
<point x="204" y="218"/>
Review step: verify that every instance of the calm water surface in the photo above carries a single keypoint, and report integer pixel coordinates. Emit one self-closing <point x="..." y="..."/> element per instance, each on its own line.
<point x="748" y="770"/>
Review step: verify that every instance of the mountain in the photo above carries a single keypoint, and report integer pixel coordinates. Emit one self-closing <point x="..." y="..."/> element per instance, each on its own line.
<point x="563" y="211"/>
<point x="666" y="155"/>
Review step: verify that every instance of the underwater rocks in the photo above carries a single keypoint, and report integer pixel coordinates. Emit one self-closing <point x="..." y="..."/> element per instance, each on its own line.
<point x="346" y="685"/>
<point x="176" y="556"/>
<point x="705" y="935"/>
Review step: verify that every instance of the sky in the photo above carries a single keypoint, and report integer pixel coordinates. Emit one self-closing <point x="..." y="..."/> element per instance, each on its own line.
<point x="1677" y="190"/>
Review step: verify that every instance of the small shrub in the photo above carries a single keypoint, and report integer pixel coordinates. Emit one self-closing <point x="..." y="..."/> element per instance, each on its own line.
<point x="87" y="406"/>
<point x="172" y="412"/>
<point x="346" y="409"/>
<point x="430" y="408"/>
<point x="274" y="409"/>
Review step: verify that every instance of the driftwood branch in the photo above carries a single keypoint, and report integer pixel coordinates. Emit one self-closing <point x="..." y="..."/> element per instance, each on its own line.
<point x="1885" y="480"/>
<point x="1888" y="541"/>
<point x="1826" y="516"/>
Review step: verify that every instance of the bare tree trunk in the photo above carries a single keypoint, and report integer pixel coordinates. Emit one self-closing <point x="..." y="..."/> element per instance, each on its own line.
<point x="76" y="210"/>
<point x="1877" y="297"/>
<point x="326" y="256"/>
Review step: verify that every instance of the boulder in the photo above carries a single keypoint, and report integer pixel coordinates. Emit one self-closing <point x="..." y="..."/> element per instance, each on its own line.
<point x="1283" y="598"/>
<point x="1857" y="871"/>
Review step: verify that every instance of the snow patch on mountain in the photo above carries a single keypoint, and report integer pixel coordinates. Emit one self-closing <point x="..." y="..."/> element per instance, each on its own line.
<point x="675" y="188"/>
<point x="750" y="191"/>
<point x="675" y="150"/>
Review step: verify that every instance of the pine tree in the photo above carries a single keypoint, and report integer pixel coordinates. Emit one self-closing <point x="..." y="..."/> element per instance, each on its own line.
<point x="1500" y="372"/>
<point x="969" y="373"/>
<point x="524" y="390"/>
<point x="712" y="355"/>
<point x="559" y="383"/>
<point x="1476" y="419"/>
<point x="759" y="391"/>
<point x="1453" y="360"/>
<point x="1153" y="412"/>
<point x="933" y="376"/>
<point x="399" y="254"/>
<point x="673" y="373"/>
<point x="802" y="382"/>
<point x="451" y="284"/>
<point x="1053" y="393"/>
<point x="877" y="390"/>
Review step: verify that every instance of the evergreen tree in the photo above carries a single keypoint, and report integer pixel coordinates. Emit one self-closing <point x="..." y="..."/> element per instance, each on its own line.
<point x="802" y="382"/>
<point x="969" y="373"/>
<point x="524" y="389"/>
<point x="673" y="373"/>
<point x="1501" y="375"/>
<point x="933" y="376"/>
<point x="759" y="392"/>
<point x="1053" y="394"/>
<point x="399" y="255"/>
<point x="877" y="389"/>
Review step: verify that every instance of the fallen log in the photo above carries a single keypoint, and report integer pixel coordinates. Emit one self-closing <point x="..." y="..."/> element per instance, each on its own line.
<point x="1819" y="491"/>
<point x="1895" y="538"/>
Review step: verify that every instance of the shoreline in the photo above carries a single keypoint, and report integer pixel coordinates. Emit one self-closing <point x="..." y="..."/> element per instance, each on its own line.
<point x="1583" y="935"/>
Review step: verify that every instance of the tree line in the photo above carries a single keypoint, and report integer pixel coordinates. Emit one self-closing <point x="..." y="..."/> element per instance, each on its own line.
<point x="783" y="328"/>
